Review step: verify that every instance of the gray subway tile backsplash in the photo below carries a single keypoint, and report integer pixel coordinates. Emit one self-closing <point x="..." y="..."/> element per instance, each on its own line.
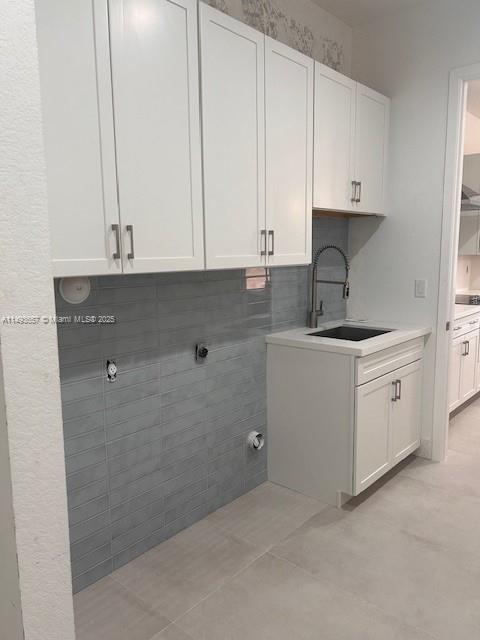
<point x="165" y="444"/>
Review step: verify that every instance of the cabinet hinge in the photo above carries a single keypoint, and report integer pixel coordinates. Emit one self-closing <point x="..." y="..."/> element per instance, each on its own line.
<point x="447" y="328"/>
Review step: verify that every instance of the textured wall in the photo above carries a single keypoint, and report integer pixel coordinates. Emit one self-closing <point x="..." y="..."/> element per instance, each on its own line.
<point x="29" y="352"/>
<point x="299" y="24"/>
<point x="10" y="599"/>
<point x="165" y="444"/>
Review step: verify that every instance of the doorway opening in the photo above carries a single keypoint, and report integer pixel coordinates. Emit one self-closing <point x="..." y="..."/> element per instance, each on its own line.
<point x="457" y="386"/>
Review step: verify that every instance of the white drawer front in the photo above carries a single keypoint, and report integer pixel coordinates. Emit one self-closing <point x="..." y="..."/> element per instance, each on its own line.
<point x="460" y="327"/>
<point x="383" y="362"/>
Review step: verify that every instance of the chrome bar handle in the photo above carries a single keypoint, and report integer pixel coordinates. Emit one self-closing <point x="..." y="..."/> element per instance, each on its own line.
<point x="468" y="348"/>
<point x="359" y="196"/>
<point x="394" y="385"/>
<point x="354" y="191"/>
<point x="131" y="255"/>
<point x="263" y="241"/>
<point x="271" y="234"/>
<point x="398" y="389"/>
<point x="116" y="230"/>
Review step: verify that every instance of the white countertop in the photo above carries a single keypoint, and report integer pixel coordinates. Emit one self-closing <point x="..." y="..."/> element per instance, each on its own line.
<point x="301" y="339"/>
<point x="465" y="310"/>
<point x="468" y="292"/>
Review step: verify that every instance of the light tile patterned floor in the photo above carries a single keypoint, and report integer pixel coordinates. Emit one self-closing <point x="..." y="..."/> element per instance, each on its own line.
<point x="400" y="563"/>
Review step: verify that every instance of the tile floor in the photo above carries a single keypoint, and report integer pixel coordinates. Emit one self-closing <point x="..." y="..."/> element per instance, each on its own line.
<point x="400" y="563"/>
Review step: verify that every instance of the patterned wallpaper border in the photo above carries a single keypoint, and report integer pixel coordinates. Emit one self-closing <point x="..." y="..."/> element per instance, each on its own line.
<point x="268" y="17"/>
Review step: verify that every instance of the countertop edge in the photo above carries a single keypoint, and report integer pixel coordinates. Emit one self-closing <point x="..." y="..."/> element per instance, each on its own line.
<point x="466" y="311"/>
<point x="398" y="336"/>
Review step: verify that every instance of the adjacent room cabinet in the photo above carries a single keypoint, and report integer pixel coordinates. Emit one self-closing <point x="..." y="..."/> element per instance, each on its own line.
<point x="350" y="145"/>
<point x="464" y="367"/>
<point x="469" y="233"/>
<point x="257" y="117"/>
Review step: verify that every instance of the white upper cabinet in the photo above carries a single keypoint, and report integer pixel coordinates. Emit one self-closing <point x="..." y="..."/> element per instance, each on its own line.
<point x="371" y="138"/>
<point x="157" y="125"/>
<point x="334" y="184"/>
<point x="79" y="138"/>
<point x="289" y="154"/>
<point x="350" y="145"/>
<point x="469" y="233"/>
<point x="233" y="119"/>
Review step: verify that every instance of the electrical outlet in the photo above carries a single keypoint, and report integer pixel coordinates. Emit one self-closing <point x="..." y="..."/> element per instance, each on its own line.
<point x="420" y="288"/>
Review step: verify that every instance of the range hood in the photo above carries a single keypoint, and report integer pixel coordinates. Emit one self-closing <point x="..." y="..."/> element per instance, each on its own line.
<point x="470" y="199"/>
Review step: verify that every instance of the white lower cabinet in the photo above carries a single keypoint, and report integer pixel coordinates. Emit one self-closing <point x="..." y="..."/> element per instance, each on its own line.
<point x="337" y="422"/>
<point x="387" y="423"/>
<point x="463" y="369"/>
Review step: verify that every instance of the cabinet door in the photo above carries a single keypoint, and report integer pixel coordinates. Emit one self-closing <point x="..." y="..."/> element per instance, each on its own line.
<point x="289" y="154"/>
<point x="371" y="140"/>
<point x="157" y="125"/>
<point x="405" y="411"/>
<point x="468" y="239"/>
<point x="74" y="58"/>
<point x="455" y="362"/>
<point x="468" y="375"/>
<point x="334" y="134"/>
<point x="233" y="119"/>
<point x="372" y="438"/>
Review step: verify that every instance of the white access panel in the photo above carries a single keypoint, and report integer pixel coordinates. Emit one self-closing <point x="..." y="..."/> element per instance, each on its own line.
<point x="310" y="421"/>
<point x="233" y="118"/>
<point x="157" y="126"/>
<point x="289" y="154"/>
<point x="79" y="139"/>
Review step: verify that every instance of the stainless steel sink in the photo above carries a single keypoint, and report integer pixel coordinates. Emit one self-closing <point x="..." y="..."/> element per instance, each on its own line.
<point x="346" y="332"/>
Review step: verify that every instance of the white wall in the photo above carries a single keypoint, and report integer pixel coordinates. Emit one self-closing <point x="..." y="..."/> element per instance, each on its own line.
<point x="408" y="57"/>
<point x="29" y="353"/>
<point x="472" y="134"/>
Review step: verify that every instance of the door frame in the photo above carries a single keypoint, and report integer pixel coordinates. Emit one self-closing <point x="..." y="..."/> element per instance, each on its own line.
<point x="449" y="249"/>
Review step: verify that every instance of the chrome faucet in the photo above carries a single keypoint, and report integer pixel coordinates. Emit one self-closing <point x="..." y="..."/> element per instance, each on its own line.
<point x="315" y="312"/>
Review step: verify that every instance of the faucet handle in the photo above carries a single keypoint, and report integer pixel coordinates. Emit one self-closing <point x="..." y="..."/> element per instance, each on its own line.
<point x="346" y="290"/>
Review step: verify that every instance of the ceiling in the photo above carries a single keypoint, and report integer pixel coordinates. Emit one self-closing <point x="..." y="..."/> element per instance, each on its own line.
<point x="473" y="100"/>
<point x="359" y="12"/>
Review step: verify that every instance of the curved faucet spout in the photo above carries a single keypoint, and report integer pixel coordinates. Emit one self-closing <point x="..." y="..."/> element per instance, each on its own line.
<point x="316" y="311"/>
